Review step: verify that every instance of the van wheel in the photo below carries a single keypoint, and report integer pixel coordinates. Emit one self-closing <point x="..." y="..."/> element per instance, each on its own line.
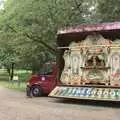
<point x="36" y="91"/>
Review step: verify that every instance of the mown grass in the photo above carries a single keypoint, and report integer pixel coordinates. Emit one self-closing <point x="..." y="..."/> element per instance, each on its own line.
<point x="14" y="85"/>
<point x="19" y="84"/>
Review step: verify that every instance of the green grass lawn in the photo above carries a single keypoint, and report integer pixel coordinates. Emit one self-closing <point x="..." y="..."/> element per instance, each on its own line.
<point x="13" y="85"/>
<point x="19" y="84"/>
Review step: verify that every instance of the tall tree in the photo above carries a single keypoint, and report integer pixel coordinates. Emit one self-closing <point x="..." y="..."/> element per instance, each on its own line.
<point x="108" y="10"/>
<point x="32" y="25"/>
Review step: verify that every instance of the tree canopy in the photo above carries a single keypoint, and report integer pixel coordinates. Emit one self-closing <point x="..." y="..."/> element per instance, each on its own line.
<point x="28" y="27"/>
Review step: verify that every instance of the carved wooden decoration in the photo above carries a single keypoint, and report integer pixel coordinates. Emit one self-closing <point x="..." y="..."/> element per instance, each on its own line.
<point x="73" y="61"/>
<point x="65" y="77"/>
<point x="85" y="64"/>
<point x="76" y="63"/>
<point x="114" y="63"/>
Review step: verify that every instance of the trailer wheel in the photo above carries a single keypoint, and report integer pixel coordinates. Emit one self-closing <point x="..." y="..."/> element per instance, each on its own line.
<point x="36" y="91"/>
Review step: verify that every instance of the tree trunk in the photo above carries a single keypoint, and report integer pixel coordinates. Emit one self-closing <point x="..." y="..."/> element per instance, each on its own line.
<point x="8" y="70"/>
<point x="12" y="71"/>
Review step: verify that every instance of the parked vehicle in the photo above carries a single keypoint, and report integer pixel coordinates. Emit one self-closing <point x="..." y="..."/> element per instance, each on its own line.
<point x="43" y="82"/>
<point x="88" y="61"/>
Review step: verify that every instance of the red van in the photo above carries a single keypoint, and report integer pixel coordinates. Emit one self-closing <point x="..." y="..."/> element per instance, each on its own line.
<point x="43" y="82"/>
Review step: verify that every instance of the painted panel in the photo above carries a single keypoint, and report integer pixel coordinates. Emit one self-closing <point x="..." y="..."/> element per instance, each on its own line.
<point x="112" y="94"/>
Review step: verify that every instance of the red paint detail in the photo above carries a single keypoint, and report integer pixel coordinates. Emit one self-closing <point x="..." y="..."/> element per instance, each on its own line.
<point x="90" y="27"/>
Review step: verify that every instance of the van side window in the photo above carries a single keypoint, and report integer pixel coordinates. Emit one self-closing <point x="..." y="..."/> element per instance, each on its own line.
<point x="46" y="70"/>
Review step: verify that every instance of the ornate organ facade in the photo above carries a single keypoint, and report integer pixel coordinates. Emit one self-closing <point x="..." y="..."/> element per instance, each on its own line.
<point x="94" y="60"/>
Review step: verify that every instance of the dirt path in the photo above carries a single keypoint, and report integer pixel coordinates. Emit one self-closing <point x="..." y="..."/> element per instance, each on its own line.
<point x="16" y="106"/>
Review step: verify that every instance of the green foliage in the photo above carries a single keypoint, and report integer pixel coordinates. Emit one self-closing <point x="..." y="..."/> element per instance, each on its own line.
<point x="20" y="84"/>
<point x="23" y="75"/>
<point x="28" y="27"/>
<point x="108" y="10"/>
<point x="4" y="75"/>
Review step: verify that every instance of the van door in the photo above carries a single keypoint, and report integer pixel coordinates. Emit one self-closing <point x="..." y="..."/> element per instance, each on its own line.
<point x="48" y="77"/>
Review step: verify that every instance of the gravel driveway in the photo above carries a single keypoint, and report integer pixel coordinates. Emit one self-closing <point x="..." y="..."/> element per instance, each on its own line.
<point x="15" y="105"/>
